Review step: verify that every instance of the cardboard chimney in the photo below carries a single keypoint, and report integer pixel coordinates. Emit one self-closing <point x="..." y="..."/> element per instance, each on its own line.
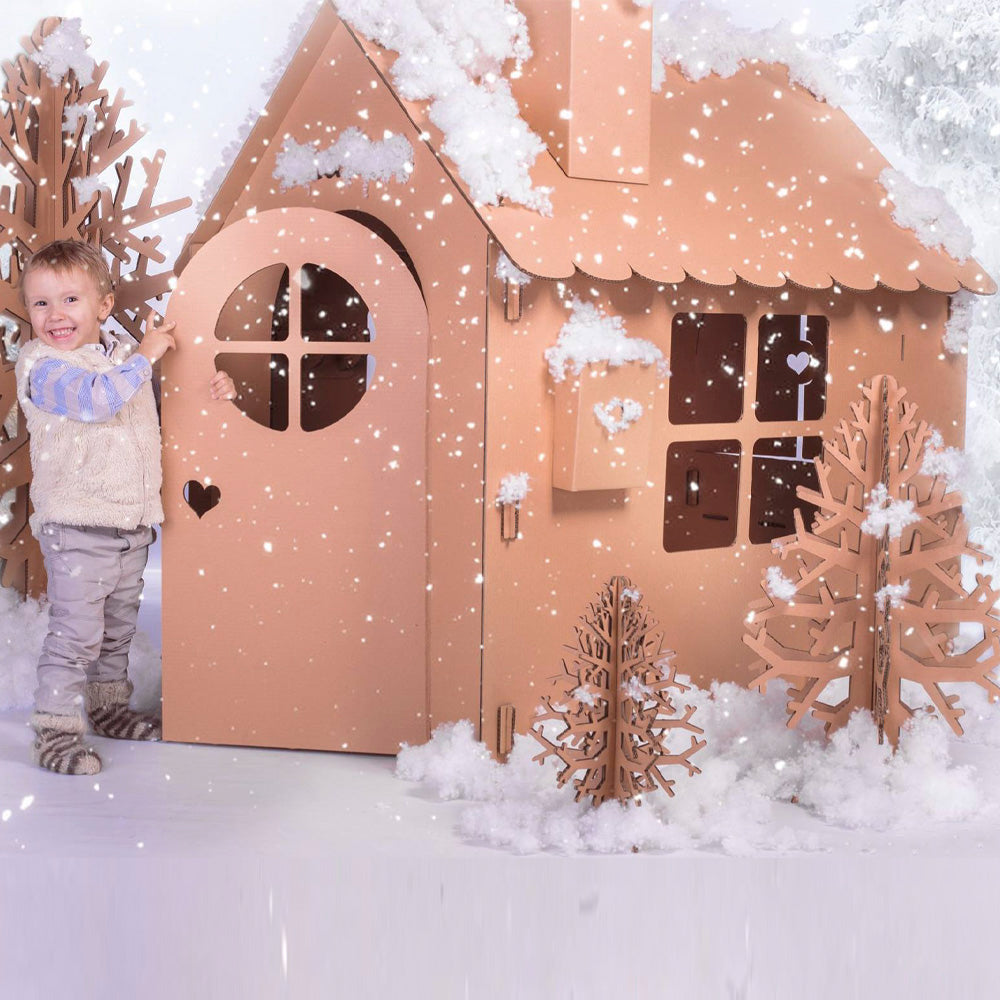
<point x="586" y="91"/>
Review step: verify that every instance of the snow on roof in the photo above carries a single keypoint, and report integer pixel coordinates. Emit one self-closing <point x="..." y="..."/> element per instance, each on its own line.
<point x="751" y="177"/>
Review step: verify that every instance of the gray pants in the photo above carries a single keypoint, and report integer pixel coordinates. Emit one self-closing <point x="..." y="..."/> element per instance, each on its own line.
<point x="95" y="582"/>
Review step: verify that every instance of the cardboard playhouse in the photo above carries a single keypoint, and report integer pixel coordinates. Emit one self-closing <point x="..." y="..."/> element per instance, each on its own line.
<point x="337" y="571"/>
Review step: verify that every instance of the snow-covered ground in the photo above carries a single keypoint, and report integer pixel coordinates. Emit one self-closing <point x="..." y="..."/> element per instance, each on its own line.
<point x="196" y="871"/>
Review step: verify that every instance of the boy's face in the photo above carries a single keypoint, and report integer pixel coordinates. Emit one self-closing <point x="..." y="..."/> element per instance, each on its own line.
<point x="66" y="308"/>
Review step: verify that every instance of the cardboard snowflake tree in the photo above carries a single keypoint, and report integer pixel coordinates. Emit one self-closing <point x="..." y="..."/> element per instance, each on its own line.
<point x="60" y="139"/>
<point x="868" y="611"/>
<point x="621" y="728"/>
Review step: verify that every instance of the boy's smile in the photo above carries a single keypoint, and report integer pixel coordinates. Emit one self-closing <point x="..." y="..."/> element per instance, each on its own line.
<point x="66" y="308"/>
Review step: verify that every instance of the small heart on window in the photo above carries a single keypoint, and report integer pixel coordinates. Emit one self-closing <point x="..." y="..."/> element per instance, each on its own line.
<point x="201" y="499"/>
<point x="799" y="362"/>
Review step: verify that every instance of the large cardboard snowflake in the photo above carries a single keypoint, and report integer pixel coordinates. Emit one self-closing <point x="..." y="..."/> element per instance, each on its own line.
<point x="61" y="141"/>
<point x="619" y="725"/>
<point x="869" y="610"/>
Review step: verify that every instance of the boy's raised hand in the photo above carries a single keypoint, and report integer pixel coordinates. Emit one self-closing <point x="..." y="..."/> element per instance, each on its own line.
<point x="156" y="341"/>
<point x="221" y="386"/>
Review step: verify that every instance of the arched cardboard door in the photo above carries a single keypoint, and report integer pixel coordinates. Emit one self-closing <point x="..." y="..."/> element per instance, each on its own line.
<point x="294" y="560"/>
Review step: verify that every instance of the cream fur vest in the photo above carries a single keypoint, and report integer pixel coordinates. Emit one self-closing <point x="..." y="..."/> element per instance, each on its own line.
<point x="96" y="474"/>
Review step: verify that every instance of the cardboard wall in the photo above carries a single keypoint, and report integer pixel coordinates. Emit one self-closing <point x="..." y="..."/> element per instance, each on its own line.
<point x="572" y="542"/>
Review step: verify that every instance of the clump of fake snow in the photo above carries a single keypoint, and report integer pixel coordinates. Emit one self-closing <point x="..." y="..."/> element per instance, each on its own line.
<point x="65" y="49"/>
<point x="968" y="311"/>
<point x="590" y="336"/>
<point x="87" y="187"/>
<point x="893" y="594"/>
<point x="700" y="39"/>
<point x="757" y="777"/>
<point x="926" y="211"/>
<point x="23" y="624"/>
<point x="941" y="461"/>
<point x="507" y="271"/>
<point x="72" y="114"/>
<point x="778" y="585"/>
<point x="452" y="56"/>
<point x="885" y="512"/>
<point x="617" y="415"/>
<point x="352" y="155"/>
<point x="513" y="488"/>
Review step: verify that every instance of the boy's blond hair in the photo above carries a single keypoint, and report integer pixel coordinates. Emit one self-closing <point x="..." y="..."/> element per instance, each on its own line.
<point x="64" y="255"/>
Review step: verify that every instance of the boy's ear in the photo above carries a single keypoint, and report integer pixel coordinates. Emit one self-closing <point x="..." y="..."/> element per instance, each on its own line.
<point x="106" y="306"/>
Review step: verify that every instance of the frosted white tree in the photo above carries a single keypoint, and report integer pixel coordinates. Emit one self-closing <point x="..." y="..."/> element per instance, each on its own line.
<point x="930" y="72"/>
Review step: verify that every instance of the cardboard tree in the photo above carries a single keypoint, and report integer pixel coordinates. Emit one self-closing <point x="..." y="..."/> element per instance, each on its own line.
<point x="59" y="137"/>
<point x="620" y="725"/>
<point x="870" y="615"/>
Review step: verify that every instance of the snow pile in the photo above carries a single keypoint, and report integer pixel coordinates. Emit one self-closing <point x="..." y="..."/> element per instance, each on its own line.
<point x="855" y="782"/>
<point x="87" y="187"/>
<point x="352" y="155"/>
<point x="590" y="336"/>
<point x="506" y="271"/>
<point x="754" y="771"/>
<point x="926" y="211"/>
<point x="63" y="50"/>
<point x="778" y="585"/>
<point x="617" y="414"/>
<point x="884" y="512"/>
<point x="513" y="488"/>
<point x="700" y="39"/>
<point x="23" y="624"/>
<point x="451" y="55"/>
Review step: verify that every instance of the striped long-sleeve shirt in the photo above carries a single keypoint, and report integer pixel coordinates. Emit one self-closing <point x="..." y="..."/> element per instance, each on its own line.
<point x="61" y="388"/>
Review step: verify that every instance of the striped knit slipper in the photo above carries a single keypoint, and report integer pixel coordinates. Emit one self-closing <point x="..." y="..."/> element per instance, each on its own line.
<point x="59" y="745"/>
<point x="110" y="715"/>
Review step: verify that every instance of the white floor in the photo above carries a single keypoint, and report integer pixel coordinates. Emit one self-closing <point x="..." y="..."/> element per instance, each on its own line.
<point x="194" y="871"/>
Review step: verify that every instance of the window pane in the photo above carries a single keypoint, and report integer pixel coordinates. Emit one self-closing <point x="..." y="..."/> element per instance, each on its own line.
<point x="707" y="361"/>
<point x="779" y="466"/>
<point x="332" y="385"/>
<point x="332" y="309"/>
<point x="791" y="367"/>
<point x="261" y="386"/>
<point x="699" y="510"/>
<point x="257" y="308"/>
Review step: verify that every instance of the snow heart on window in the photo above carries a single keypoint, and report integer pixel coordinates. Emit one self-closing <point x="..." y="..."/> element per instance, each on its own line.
<point x="617" y="414"/>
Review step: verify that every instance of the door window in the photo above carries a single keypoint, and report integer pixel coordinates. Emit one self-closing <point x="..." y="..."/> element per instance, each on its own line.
<point x="325" y="332"/>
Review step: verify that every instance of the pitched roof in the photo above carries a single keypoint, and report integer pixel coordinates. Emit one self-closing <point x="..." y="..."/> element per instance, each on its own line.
<point x="751" y="178"/>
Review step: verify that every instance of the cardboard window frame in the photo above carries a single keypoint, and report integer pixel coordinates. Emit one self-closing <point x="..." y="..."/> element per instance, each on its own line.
<point x="708" y="367"/>
<point x="772" y="503"/>
<point x="701" y="498"/>
<point x="785" y="392"/>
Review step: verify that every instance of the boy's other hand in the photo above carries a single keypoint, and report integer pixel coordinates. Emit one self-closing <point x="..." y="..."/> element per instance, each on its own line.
<point x="156" y="341"/>
<point x="222" y="386"/>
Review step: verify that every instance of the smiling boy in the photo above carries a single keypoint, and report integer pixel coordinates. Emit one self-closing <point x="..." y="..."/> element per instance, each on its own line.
<point x="88" y="403"/>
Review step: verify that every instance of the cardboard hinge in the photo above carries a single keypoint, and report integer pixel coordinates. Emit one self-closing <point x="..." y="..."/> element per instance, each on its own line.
<point x="512" y="301"/>
<point x="505" y="730"/>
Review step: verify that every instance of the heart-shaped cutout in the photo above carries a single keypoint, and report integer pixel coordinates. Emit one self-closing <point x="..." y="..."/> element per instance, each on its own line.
<point x="201" y="499"/>
<point x="799" y="362"/>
